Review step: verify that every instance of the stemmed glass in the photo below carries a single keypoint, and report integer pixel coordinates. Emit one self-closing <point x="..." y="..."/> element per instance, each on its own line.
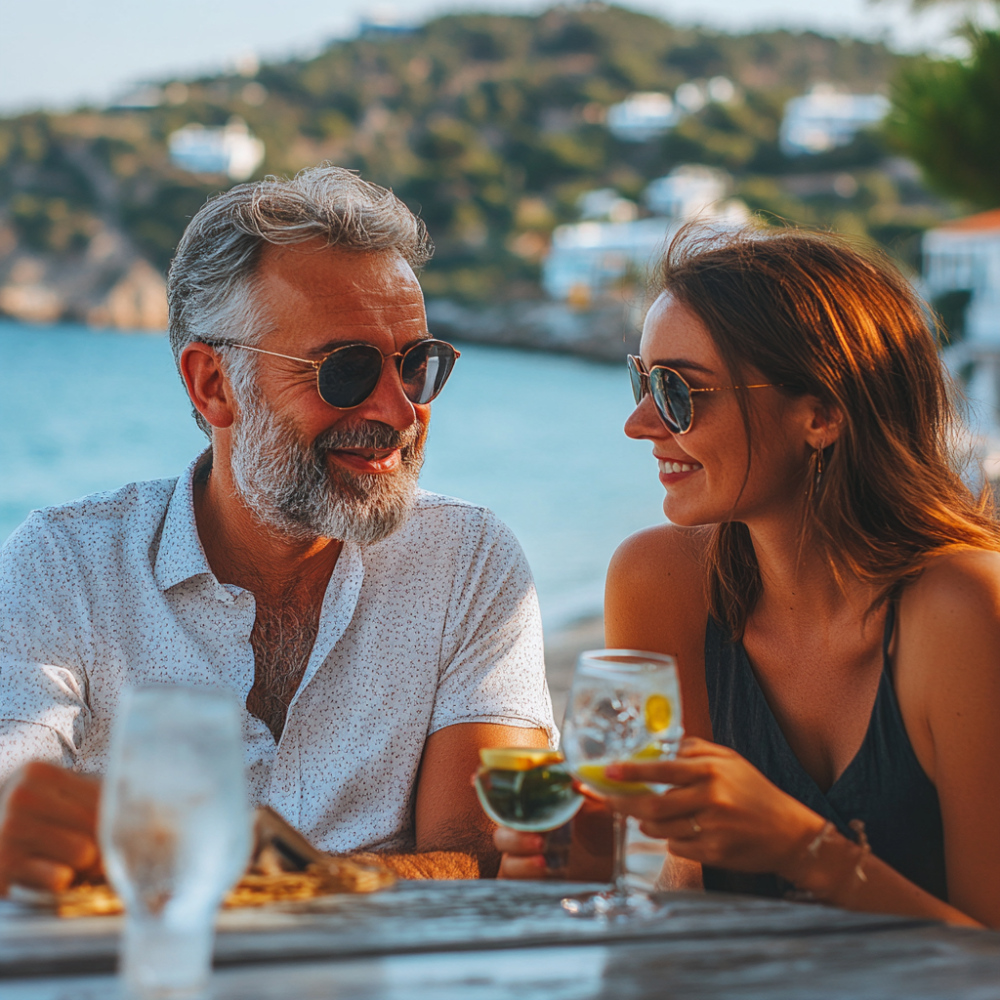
<point x="175" y="832"/>
<point x="624" y="705"/>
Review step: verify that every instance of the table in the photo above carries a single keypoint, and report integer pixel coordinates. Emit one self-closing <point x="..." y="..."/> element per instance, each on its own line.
<point x="512" y="941"/>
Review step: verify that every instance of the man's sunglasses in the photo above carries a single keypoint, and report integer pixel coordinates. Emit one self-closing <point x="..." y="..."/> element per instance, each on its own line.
<point x="671" y="394"/>
<point x="348" y="375"/>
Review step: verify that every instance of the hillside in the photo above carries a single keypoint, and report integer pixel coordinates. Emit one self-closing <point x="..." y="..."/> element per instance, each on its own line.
<point x="489" y="126"/>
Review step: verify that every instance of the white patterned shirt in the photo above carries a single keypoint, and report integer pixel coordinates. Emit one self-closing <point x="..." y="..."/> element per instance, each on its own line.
<point x="436" y="625"/>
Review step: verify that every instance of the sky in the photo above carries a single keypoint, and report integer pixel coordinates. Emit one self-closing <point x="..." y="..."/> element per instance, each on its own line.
<point x="59" y="53"/>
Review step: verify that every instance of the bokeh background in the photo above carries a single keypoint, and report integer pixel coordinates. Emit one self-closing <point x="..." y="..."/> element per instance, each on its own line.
<point x="551" y="150"/>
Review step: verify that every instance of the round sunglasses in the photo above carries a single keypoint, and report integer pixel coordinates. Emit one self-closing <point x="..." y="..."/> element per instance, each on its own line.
<point x="348" y="375"/>
<point x="671" y="393"/>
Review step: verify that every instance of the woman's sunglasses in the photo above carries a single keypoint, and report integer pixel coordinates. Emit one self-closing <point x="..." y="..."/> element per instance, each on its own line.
<point x="671" y="394"/>
<point x="348" y="375"/>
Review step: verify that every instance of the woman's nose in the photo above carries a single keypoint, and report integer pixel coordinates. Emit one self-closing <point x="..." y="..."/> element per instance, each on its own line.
<point x="644" y="421"/>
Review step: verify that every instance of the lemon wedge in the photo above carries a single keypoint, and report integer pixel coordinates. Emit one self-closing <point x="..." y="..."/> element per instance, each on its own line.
<point x="517" y="758"/>
<point x="658" y="712"/>
<point x="593" y="775"/>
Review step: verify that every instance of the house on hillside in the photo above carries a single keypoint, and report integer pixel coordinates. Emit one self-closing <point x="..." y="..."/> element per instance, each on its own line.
<point x="641" y="117"/>
<point x="232" y="150"/>
<point x="961" y="280"/>
<point x="962" y="261"/>
<point x="825" y="118"/>
<point x="588" y="260"/>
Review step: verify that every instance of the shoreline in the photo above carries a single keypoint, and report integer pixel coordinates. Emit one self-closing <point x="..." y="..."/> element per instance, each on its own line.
<point x="605" y="332"/>
<point x="562" y="648"/>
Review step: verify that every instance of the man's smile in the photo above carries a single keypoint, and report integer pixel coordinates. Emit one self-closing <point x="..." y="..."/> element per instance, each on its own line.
<point x="369" y="460"/>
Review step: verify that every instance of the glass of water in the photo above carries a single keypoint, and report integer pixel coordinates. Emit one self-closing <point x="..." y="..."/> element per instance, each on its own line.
<point x="175" y="832"/>
<point x="624" y="706"/>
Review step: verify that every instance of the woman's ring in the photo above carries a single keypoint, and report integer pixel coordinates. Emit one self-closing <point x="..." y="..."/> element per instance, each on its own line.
<point x="695" y="825"/>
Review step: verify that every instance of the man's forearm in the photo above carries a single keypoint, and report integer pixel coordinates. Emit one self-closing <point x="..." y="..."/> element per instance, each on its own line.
<point x="433" y="864"/>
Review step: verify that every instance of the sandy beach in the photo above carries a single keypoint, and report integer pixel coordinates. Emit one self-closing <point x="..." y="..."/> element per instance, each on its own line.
<point x="562" y="647"/>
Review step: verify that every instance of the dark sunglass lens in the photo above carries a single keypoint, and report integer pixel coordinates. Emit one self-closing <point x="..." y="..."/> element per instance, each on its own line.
<point x="425" y="369"/>
<point x="635" y="376"/>
<point x="678" y="397"/>
<point x="349" y="376"/>
<point x="673" y="401"/>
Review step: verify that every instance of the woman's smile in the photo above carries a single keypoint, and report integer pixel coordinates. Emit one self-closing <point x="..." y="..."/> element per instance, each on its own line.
<point x="673" y="470"/>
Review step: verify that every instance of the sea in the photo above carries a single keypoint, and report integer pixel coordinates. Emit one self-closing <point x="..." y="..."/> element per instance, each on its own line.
<point x="536" y="437"/>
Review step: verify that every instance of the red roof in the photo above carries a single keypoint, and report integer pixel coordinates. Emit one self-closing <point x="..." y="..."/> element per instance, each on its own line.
<point x="972" y="223"/>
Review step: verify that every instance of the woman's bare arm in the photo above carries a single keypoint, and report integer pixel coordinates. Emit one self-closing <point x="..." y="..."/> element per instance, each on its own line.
<point x="655" y="600"/>
<point x="948" y="684"/>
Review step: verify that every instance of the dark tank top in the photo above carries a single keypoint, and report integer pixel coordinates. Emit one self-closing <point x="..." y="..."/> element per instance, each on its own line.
<point x="884" y="785"/>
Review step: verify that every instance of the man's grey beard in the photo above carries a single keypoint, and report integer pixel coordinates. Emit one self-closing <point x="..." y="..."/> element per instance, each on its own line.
<point x="301" y="494"/>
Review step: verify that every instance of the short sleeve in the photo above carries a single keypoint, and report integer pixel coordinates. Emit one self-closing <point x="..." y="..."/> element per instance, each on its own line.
<point x="45" y="641"/>
<point x="493" y="666"/>
<point x="23" y="742"/>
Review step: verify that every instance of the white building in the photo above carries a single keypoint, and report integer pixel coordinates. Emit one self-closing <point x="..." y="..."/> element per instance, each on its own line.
<point x="588" y="259"/>
<point x="231" y="150"/>
<point x="824" y="119"/>
<point x="641" y="117"/>
<point x="606" y="205"/>
<point x="687" y="191"/>
<point x="964" y="256"/>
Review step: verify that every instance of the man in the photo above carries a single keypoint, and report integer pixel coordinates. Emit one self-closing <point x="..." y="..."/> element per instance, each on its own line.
<point x="378" y="635"/>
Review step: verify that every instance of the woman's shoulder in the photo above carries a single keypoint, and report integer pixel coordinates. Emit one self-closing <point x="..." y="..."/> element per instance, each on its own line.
<point x="656" y="600"/>
<point x="948" y="647"/>
<point x="960" y="585"/>
<point x="657" y="578"/>
<point x="666" y="555"/>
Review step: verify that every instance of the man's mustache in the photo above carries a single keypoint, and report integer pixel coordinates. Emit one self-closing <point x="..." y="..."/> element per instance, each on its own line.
<point x="369" y="434"/>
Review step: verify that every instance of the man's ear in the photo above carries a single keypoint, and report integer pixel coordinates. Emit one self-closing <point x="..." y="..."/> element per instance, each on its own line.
<point x="207" y="384"/>
<point x="826" y="423"/>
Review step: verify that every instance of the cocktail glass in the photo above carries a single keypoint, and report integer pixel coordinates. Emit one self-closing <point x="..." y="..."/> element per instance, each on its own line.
<point x="624" y="706"/>
<point x="531" y="790"/>
<point x="175" y="832"/>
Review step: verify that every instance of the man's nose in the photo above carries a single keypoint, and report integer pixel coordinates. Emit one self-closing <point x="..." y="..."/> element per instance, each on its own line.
<point x="388" y="403"/>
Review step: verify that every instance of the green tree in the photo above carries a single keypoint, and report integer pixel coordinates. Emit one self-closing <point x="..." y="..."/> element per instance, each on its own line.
<point x="946" y="116"/>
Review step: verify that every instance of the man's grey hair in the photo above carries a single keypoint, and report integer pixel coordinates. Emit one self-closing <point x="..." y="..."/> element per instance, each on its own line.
<point x="210" y="285"/>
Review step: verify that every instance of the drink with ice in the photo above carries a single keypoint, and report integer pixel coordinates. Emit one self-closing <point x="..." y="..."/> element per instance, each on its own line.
<point x="624" y="706"/>
<point x="175" y="832"/>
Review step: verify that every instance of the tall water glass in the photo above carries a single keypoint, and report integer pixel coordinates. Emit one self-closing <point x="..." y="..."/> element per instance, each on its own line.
<point x="175" y="832"/>
<point x="624" y="706"/>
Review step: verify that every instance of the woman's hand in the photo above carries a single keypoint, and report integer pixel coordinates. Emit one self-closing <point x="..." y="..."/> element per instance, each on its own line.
<point x="589" y="860"/>
<point x="721" y="811"/>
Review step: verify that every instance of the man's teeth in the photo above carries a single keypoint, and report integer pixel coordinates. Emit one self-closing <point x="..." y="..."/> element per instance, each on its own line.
<point x="678" y="466"/>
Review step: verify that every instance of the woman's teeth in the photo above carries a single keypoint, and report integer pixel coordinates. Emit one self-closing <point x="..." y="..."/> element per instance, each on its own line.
<point x="678" y="466"/>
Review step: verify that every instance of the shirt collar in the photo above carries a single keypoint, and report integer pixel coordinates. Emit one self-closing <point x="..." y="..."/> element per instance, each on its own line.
<point x="180" y="555"/>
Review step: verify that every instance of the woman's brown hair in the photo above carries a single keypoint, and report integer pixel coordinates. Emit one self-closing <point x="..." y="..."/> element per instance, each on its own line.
<point x="821" y="317"/>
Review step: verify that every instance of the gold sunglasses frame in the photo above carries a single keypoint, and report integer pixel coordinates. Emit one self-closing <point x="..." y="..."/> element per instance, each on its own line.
<point x="317" y="364"/>
<point x="647" y="391"/>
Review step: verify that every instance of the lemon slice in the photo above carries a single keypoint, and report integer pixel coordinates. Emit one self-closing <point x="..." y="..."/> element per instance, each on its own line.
<point x="658" y="713"/>
<point x="651" y="752"/>
<point x="593" y="775"/>
<point x="518" y="758"/>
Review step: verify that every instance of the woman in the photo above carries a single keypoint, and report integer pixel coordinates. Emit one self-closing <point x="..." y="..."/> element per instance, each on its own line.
<point x="828" y="584"/>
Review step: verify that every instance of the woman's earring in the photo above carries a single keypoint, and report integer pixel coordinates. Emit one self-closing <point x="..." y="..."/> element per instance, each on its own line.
<point x="819" y="469"/>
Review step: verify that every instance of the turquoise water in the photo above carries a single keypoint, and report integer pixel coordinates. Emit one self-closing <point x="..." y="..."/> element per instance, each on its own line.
<point x="536" y="437"/>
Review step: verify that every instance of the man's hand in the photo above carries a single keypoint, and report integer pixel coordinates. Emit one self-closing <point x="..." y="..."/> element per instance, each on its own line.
<point x="48" y="828"/>
<point x="589" y="853"/>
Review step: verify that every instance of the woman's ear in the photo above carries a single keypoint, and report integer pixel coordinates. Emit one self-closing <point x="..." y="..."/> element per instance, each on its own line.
<point x="207" y="384"/>
<point x="825" y="424"/>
